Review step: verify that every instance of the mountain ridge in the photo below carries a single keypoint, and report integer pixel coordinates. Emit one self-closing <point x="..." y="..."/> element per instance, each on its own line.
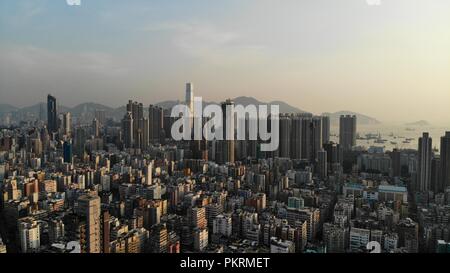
<point x="118" y="112"/>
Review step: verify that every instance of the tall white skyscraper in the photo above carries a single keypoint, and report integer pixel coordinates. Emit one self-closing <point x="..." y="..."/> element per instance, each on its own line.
<point x="67" y="123"/>
<point x="190" y="96"/>
<point x="148" y="173"/>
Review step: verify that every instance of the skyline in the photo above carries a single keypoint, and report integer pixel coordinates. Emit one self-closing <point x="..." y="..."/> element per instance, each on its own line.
<point x="395" y="56"/>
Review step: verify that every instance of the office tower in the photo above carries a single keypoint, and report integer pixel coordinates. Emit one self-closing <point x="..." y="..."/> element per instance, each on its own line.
<point x="52" y="116"/>
<point x="296" y="137"/>
<point x="88" y="206"/>
<point x="190" y="96"/>
<point x="285" y="136"/>
<point x="322" y="164"/>
<point x="359" y="238"/>
<point x="326" y="129"/>
<point x="424" y="163"/>
<point x="156" y="124"/>
<point x="445" y="162"/>
<point x="67" y="123"/>
<point x="317" y="143"/>
<point x="29" y="235"/>
<point x="225" y="147"/>
<point x="347" y="132"/>
<point x="198" y="217"/>
<point x="127" y="129"/>
<point x="67" y="151"/>
<point x="396" y="163"/>
<point x="96" y="128"/>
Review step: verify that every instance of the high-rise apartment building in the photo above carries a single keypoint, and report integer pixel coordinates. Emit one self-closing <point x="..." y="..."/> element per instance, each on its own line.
<point x="226" y="147"/>
<point x="347" y="132"/>
<point x="127" y="130"/>
<point x="359" y="238"/>
<point x="424" y="163"/>
<point x="326" y="127"/>
<point x="198" y="217"/>
<point x="284" y="149"/>
<point x="156" y="124"/>
<point x="29" y="234"/>
<point x="222" y="225"/>
<point x="88" y="206"/>
<point x="445" y="162"/>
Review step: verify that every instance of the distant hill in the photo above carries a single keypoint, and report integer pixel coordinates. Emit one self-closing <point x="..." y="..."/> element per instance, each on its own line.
<point x="420" y="123"/>
<point x="87" y="110"/>
<point x="360" y="118"/>
<point x="244" y="101"/>
<point x="6" y="108"/>
<point x="284" y="107"/>
<point x="90" y="107"/>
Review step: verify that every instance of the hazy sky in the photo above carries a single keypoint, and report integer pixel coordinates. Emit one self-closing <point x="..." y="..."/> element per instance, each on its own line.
<point x="390" y="61"/>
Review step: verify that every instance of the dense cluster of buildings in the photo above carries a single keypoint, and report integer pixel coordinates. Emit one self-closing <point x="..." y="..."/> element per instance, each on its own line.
<point x="110" y="186"/>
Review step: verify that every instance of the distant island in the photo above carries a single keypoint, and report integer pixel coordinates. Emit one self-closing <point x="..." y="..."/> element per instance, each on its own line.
<point x="360" y="118"/>
<point x="420" y="123"/>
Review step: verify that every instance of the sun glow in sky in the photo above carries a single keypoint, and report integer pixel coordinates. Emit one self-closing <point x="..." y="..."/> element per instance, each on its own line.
<point x="389" y="61"/>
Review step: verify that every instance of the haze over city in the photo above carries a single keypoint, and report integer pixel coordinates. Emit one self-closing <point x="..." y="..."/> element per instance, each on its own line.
<point x="230" y="127"/>
<point x="388" y="61"/>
